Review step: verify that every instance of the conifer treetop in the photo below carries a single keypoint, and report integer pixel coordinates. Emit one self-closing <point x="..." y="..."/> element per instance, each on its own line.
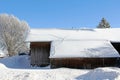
<point x="103" y="24"/>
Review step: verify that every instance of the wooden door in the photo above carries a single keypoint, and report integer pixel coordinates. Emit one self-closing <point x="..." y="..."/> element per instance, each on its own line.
<point x="40" y="54"/>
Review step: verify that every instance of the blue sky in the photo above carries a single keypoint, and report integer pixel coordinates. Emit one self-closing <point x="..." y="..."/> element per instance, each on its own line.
<point x="63" y="13"/>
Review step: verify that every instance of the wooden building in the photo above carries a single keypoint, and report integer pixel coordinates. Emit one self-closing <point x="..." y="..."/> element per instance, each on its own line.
<point x="83" y="54"/>
<point x="85" y="48"/>
<point x="83" y="63"/>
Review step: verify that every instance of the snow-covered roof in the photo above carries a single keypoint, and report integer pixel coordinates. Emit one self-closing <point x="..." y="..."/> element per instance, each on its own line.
<point x="39" y="35"/>
<point x="82" y="48"/>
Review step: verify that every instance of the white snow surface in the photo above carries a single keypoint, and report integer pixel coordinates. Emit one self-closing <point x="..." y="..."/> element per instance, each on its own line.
<point x="37" y="35"/>
<point x="2" y="54"/>
<point x="10" y="69"/>
<point x="82" y="48"/>
<point x="16" y="62"/>
<point x="81" y="42"/>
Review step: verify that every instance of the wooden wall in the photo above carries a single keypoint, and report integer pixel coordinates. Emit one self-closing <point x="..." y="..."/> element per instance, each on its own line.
<point x="82" y="63"/>
<point x="40" y="52"/>
<point x="116" y="45"/>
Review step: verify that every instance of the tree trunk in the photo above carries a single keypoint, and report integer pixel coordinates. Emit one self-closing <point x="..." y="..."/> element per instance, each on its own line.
<point x="11" y="53"/>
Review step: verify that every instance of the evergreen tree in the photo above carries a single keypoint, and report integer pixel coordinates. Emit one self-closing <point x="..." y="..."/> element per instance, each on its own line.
<point x="103" y="24"/>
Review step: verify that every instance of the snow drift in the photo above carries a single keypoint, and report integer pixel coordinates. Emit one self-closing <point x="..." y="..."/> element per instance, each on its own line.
<point x="16" y="61"/>
<point x="101" y="74"/>
<point x="18" y="68"/>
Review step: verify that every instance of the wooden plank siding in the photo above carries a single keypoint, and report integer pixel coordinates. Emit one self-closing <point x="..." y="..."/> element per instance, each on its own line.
<point x="82" y="63"/>
<point x="116" y="45"/>
<point x="40" y="52"/>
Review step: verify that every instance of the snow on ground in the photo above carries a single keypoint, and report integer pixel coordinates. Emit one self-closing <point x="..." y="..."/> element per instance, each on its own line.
<point x="21" y="62"/>
<point x="18" y="68"/>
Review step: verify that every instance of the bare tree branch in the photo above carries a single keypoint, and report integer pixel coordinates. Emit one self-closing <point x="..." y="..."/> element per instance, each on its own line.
<point x="13" y="33"/>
